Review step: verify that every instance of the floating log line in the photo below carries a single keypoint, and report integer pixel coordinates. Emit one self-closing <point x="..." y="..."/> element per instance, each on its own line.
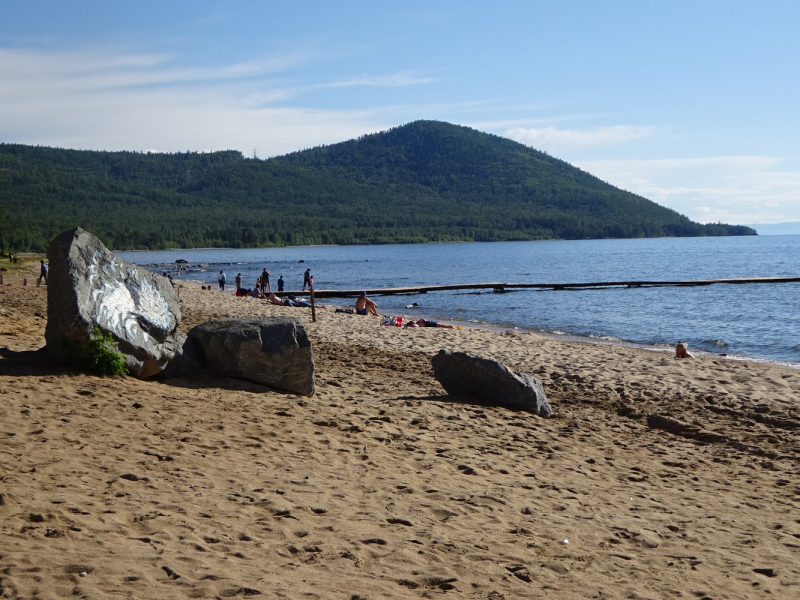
<point x="500" y="287"/>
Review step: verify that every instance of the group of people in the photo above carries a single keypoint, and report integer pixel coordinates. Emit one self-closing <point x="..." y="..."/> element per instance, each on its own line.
<point x="263" y="288"/>
<point x="364" y="305"/>
<point x="263" y="285"/>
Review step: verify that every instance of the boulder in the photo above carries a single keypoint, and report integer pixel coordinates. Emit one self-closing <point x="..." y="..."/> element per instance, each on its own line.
<point x="489" y="381"/>
<point x="272" y="351"/>
<point x="90" y="287"/>
<point x="186" y="364"/>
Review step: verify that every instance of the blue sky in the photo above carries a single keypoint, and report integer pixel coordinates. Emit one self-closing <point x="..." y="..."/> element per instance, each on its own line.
<point x="691" y="104"/>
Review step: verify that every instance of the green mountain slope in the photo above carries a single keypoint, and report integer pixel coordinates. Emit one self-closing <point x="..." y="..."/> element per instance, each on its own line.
<point x="425" y="181"/>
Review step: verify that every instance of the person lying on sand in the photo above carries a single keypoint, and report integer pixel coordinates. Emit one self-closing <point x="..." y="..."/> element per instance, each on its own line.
<point x="288" y="301"/>
<point x="428" y="323"/>
<point x="273" y="299"/>
<point x="682" y="350"/>
<point x="364" y="305"/>
<point x="292" y="301"/>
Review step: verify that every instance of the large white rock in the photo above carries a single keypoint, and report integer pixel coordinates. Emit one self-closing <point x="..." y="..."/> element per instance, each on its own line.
<point x="90" y="287"/>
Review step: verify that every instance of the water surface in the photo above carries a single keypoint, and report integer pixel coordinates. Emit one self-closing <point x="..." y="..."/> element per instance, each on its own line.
<point x="753" y="320"/>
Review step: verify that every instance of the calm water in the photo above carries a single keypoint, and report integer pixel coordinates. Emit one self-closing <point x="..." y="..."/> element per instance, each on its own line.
<point x="754" y="321"/>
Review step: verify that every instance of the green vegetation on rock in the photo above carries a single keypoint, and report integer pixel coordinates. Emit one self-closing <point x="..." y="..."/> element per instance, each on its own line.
<point x="427" y="181"/>
<point x="103" y="356"/>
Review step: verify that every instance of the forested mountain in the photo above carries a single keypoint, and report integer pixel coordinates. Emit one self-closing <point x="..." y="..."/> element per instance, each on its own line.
<point x="421" y="182"/>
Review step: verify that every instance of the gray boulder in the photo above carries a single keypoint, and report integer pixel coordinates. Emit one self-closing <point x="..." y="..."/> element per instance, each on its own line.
<point x="90" y="287"/>
<point x="489" y="381"/>
<point x="186" y="364"/>
<point x="272" y="351"/>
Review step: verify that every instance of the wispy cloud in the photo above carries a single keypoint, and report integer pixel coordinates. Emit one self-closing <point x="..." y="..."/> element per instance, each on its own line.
<point x="397" y="80"/>
<point x="100" y="69"/>
<point x="560" y="141"/>
<point x="733" y="189"/>
<point x="101" y="99"/>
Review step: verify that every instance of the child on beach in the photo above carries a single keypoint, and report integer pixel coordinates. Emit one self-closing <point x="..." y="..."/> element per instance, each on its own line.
<point x="682" y="350"/>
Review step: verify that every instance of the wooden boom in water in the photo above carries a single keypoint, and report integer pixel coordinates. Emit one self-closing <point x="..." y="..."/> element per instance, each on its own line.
<point x="500" y="287"/>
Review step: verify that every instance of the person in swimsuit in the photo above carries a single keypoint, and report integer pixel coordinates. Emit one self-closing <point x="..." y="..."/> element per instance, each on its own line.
<point x="366" y="306"/>
<point x="428" y="323"/>
<point x="682" y="350"/>
<point x="273" y="299"/>
<point x="289" y="301"/>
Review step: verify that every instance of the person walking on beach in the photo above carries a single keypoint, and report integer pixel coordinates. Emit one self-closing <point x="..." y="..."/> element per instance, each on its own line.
<point x="280" y="283"/>
<point x="221" y="280"/>
<point x="364" y="305"/>
<point x="265" y="286"/>
<point x="42" y="274"/>
<point x="306" y="279"/>
<point x="238" y="281"/>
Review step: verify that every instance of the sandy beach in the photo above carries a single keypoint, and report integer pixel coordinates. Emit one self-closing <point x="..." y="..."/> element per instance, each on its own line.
<point x="655" y="478"/>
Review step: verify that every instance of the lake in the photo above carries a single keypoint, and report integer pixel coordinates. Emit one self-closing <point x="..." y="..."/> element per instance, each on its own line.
<point x="760" y="321"/>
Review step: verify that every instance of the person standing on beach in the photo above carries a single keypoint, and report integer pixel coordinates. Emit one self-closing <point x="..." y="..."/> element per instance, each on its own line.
<point x="238" y="281"/>
<point x="42" y="274"/>
<point x="221" y="280"/>
<point x="280" y="283"/>
<point x="265" y="286"/>
<point x="306" y="279"/>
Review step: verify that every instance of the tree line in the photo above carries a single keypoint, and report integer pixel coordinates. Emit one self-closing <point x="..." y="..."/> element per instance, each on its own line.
<point x="423" y="182"/>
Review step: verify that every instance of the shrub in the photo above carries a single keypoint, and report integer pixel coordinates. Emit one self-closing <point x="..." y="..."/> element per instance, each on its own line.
<point x="103" y="355"/>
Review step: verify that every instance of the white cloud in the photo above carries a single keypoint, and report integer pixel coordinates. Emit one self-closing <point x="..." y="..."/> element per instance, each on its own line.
<point x="732" y="189"/>
<point x="128" y="101"/>
<point x="397" y="80"/>
<point x="561" y="141"/>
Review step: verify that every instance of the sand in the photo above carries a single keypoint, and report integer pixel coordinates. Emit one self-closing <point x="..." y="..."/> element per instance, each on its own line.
<point x="656" y="477"/>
